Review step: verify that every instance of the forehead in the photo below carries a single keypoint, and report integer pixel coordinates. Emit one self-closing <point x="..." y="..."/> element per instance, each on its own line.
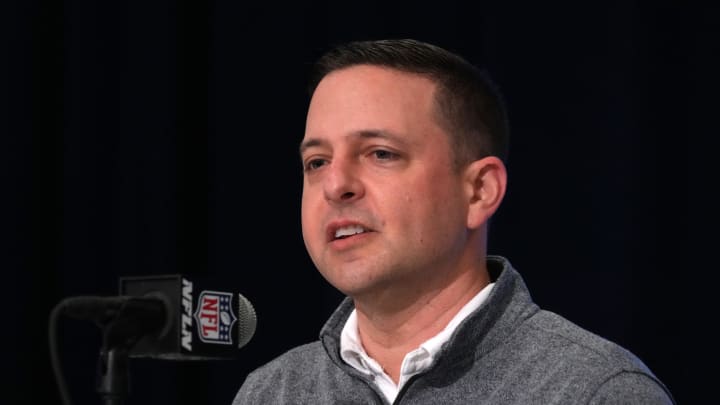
<point x="372" y="82"/>
<point x="364" y="97"/>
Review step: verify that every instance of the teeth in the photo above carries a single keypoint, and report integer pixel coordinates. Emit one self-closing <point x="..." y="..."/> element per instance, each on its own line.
<point x="349" y="230"/>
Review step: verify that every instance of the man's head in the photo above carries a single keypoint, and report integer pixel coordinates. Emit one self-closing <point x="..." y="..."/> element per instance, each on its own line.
<point x="468" y="104"/>
<point x="390" y="204"/>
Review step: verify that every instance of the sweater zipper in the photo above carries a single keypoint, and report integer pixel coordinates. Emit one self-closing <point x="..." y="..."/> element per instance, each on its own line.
<point x="404" y="389"/>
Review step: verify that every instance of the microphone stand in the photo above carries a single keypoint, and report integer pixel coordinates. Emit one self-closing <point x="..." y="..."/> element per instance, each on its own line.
<point x="128" y="323"/>
<point x="113" y="376"/>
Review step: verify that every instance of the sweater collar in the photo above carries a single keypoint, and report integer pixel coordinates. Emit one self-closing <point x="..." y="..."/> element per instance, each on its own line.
<point x="508" y="304"/>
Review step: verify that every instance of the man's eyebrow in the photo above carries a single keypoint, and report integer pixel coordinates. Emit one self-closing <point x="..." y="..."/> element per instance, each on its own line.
<point x="309" y="143"/>
<point x="364" y="134"/>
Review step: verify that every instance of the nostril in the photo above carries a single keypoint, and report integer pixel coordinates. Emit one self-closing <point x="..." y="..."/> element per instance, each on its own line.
<point x="348" y="195"/>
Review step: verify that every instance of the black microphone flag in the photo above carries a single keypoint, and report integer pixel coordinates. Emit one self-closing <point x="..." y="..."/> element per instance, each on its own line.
<point x="204" y="321"/>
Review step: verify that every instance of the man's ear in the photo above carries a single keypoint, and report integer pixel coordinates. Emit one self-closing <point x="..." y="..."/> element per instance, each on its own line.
<point x="485" y="182"/>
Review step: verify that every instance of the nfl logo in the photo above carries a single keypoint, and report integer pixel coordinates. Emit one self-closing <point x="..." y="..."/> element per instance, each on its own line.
<point x="215" y="317"/>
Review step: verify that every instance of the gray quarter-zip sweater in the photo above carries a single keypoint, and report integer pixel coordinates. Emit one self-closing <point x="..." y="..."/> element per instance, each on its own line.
<point x="508" y="351"/>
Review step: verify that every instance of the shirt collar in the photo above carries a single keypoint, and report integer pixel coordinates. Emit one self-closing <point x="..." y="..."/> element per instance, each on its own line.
<point x="416" y="361"/>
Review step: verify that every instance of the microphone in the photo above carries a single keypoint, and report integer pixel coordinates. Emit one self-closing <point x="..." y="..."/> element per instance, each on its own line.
<point x="170" y="317"/>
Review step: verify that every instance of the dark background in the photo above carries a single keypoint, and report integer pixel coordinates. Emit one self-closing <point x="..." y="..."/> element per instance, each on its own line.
<point x="160" y="137"/>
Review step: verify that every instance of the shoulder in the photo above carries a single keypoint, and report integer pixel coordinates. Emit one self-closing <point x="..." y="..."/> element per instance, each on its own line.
<point x="304" y="375"/>
<point x="606" y="369"/>
<point x="288" y="370"/>
<point x="293" y="362"/>
<point x="574" y="342"/>
<point x="632" y="387"/>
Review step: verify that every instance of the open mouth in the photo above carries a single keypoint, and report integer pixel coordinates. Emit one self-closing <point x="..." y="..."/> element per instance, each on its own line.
<point x="348" y="231"/>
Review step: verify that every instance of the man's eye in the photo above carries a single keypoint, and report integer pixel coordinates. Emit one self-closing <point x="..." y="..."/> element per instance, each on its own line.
<point x="314" y="164"/>
<point x="385" y="154"/>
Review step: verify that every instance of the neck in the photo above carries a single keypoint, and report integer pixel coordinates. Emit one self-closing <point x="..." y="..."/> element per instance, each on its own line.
<point x="389" y="330"/>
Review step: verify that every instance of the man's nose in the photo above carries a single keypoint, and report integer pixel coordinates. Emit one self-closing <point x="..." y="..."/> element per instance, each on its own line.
<point x="342" y="182"/>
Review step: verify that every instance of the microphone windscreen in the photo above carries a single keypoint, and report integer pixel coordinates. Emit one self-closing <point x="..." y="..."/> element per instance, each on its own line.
<point x="247" y="321"/>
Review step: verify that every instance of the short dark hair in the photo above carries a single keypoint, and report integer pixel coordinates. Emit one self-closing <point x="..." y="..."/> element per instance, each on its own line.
<point x="470" y="107"/>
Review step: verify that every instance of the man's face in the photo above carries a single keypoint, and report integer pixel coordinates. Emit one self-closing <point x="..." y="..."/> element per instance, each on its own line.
<point x="382" y="206"/>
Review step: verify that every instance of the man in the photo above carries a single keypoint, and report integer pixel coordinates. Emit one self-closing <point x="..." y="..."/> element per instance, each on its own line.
<point x="403" y="160"/>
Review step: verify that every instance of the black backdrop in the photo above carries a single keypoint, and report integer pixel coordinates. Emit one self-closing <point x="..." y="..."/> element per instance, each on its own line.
<point x="161" y="137"/>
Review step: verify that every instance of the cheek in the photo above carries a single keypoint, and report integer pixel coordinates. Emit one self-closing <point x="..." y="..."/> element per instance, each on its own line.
<point x="422" y="206"/>
<point x="439" y="208"/>
<point x="310" y="222"/>
<point x="311" y="240"/>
